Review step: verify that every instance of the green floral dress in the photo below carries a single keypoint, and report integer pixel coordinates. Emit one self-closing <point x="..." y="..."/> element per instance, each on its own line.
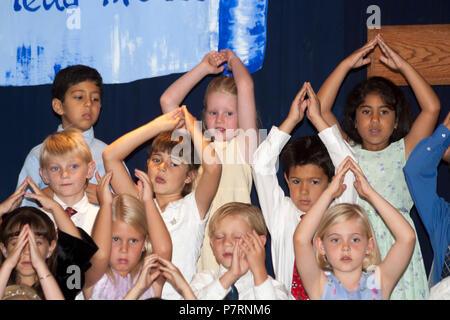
<point x="384" y="171"/>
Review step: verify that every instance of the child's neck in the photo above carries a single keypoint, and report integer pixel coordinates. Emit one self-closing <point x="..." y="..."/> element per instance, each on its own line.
<point x="27" y="280"/>
<point x="164" y="200"/>
<point x="350" y="280"/>
<point x="71" y="200"/>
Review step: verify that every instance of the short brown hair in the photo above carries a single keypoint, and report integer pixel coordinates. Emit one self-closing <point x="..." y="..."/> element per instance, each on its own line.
<point x="250" y="213"/>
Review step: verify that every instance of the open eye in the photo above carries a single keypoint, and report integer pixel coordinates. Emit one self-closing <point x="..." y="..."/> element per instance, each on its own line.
<point x="115" y="239"/>
<point x="212" y="113"/>
<point x="315" y="181"/>
<point x="229" y="113"/>
<point x="295" y="181"/>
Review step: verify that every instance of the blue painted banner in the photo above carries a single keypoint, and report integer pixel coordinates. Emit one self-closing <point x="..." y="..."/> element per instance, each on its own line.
<point x="125" y="40"/>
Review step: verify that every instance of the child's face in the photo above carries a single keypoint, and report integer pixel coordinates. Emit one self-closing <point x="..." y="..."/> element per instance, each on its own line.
<point x="221" y="114"/>
<point x="306" y="183"/>
<point x="24" y="267"/>
<point x="345" y="245"/>
<point x="126" y="248"/>
<point x="167" y="174"/>
<point x="81" y="106"/>
<point x="228" y="232"/>
<point x="67" y="177"/>
<point x="375" y="122"/>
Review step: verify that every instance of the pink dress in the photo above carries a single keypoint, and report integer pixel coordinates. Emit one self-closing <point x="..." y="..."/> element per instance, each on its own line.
<point x="108" y="289"/>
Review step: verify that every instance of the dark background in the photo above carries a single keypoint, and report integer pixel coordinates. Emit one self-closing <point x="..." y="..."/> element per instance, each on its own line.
<point x="305" y="41"/>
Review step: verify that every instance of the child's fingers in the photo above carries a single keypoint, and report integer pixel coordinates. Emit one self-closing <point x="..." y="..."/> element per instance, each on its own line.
<point x="33" y="186"/>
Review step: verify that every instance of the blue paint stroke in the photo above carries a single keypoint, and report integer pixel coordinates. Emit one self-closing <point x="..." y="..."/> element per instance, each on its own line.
<point x="242" y="28"/>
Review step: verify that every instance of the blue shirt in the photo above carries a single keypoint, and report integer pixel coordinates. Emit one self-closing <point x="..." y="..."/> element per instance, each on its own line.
<point x="421" y="174"/>
<point x="31" y="165"/>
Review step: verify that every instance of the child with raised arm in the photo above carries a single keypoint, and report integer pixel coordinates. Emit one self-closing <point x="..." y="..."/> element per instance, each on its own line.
<point x="66" y="167"/>
<point x="123" y="267"/>
<point x="76" y="97"/>
<point x="33" y="255"/>
<point x="377" y="124"/>
<point x="171" y="170"/>
<point x="335" y="248"/>
<point x="307" y="170"/>
<point x="229" y="115"/>
<point x="237" y="234"/>
<point x="421" y="175"/>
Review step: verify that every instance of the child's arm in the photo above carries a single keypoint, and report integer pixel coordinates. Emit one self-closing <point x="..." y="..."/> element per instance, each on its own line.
<point x="397" y="259"/>
<point x="337" y="147"/>
<point x="424" y="124"/>
<point x="175" y="94"/>
<point x="421" y="175"/>
<point x="212" y="168"/>
<point x="47" y="280"/>
<point x="101" y="234"/>
<point x="13" y="200"/>
<point x="176" y="279"/>
<point x="157" y="230"/>
<point x="312" y="276"/>
<point x="117" y="151"/>
<point x="330" y="88"/>
<point x="62" y="219"/>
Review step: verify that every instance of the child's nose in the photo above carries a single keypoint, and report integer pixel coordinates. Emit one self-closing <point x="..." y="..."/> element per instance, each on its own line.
<point x="26" y="249"/>
<point x="304" y="188"/>
<point x="65" y="173"/>
<point x="124" y="247"/>
<point x="162" y="166"/>
<point x="375" y="117"/>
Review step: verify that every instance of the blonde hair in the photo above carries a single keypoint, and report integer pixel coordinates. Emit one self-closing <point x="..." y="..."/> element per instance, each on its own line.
<point x="251" y="214"/>
<point x="69" y="142"/>
<point x="341" y="213"/>
<point x="223" y="84"/>
<point x="131" y="210"/>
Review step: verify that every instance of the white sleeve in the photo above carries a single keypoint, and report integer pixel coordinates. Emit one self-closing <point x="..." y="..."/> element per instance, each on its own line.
<point x="271" y="290"/>
<point x="265" y="165"/>
<point x="206" y="286"/>
<point x="339" y="149"/>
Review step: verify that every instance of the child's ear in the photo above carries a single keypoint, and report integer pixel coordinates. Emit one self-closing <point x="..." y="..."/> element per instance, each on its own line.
<point x="57" y="106"/>
<point x="51" y="248"/>
<point x="370" y="246"/>
<point x="91" y="169"/>
<point x="3" y="249"/>
<point x="319" y="246"/>
<point x="190" y="177"/>
<point x="44" y="176"/>
<point x="286" y="178"/>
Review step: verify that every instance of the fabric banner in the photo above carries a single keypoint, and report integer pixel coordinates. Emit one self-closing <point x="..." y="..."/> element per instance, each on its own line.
<point x="125" y="40"/>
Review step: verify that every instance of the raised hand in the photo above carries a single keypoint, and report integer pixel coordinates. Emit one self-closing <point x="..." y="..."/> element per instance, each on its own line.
<point x="91" y="192"/>
<point x="145" y="189"/>
<point x="298" y="105"/>
<point x="14" y="200"/>
<point x="254" y="251"/>
<point x="189" y="119"/>
<point x="150" y="271"/>
<point x="229" y="55"/>
<point x="175" y="278"/>
<point x="391" y="58"/>
<point x="46" y="202"/>
<point x="337" y="186"/>
<point x="239" y="264"/>
<point x="361" y="184"/>
<point x="212" y="62"/>
<point x="104" y="194"/>
<point x="358" y="58"/>
<point x="13" y="256"/>
<point x="170" y="121"/>
<point x="37" y="260"/>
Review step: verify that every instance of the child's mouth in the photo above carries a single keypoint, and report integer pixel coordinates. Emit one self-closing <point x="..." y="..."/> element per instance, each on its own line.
<point x="160" y="180"/>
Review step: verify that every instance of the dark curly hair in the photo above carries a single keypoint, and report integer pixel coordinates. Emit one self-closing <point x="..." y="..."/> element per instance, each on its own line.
<point x="392" y="96"/>
<point x="307" y="150"/>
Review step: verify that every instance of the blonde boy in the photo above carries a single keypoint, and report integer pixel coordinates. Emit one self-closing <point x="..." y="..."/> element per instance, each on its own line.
<point x="237" y="234"/>
<point x="66" y="165"/>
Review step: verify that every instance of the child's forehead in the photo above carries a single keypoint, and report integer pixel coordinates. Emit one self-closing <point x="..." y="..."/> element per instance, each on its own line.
<point x="69" y="157"/>
<point x="84" y="85"/>
<point x="233" y="224"/>
<point x="309" y="170"/>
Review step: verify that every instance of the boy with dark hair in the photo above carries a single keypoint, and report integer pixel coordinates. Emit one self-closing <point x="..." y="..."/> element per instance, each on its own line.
<point x="307" y="170"/>
<point x="76" y="98"/>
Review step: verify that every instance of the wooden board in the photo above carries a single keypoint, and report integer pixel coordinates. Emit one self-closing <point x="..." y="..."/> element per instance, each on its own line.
<point x="426" y="47"/>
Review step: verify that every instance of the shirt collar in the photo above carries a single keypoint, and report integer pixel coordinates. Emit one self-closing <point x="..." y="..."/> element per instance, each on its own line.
<point x="88" y="134"/>
<point x="79" y="206"/>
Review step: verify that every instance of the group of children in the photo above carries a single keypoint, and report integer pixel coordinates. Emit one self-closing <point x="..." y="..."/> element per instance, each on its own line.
<point x="79" y="227"/>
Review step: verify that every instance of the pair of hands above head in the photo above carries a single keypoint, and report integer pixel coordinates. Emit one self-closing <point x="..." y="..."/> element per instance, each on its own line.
<point x="213" y="61"/>
<point x="361" y="184"/>
<point x="390" y="58"/>
<point x="16" y="198"/>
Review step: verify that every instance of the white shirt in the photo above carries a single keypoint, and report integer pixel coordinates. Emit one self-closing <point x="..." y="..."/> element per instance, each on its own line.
<point x="85" y="216"/>
<point x="206" y="286"/>
<point x="280" y="213"/>
<point x="186" y="229"/>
